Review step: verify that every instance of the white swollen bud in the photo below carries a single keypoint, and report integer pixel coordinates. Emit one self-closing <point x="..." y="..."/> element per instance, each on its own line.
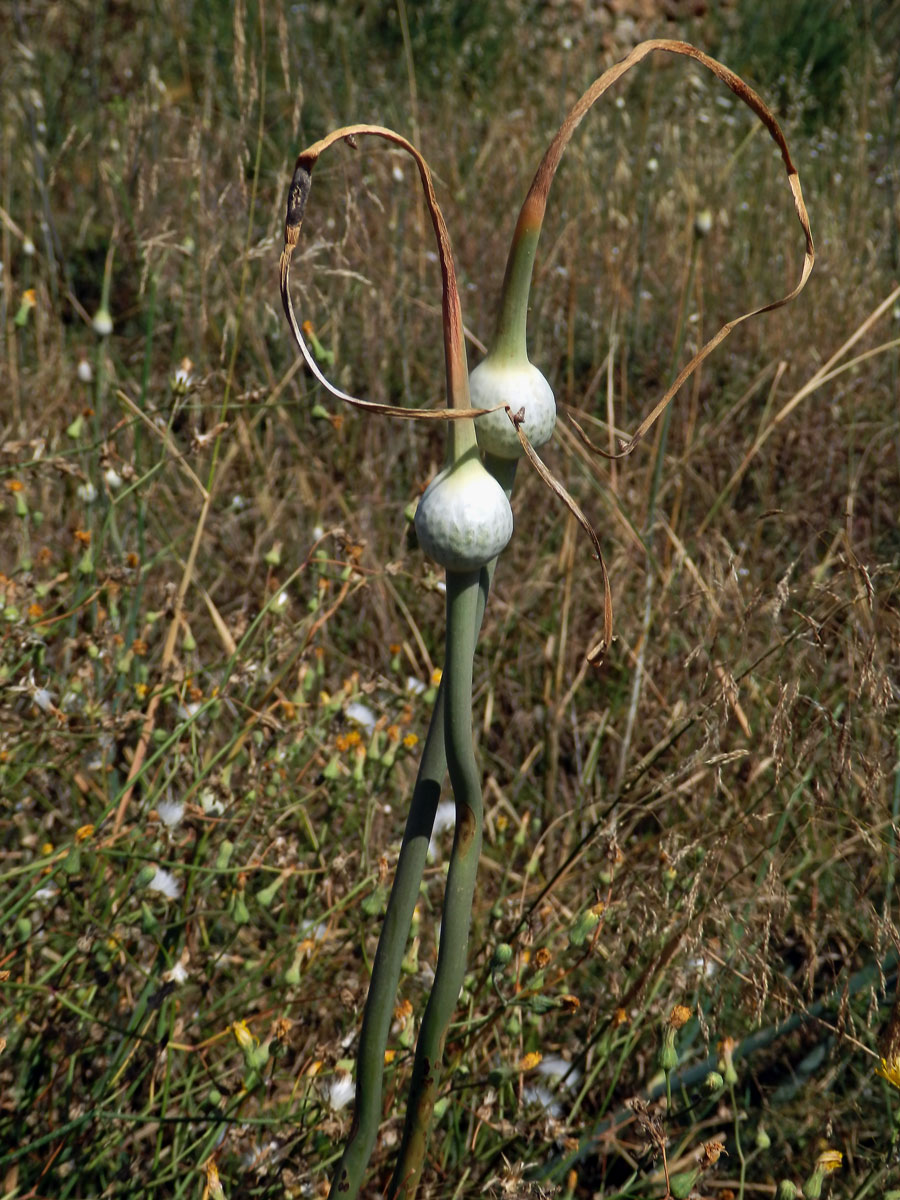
<point x="520" y="386"/>
<point x="464" y="519"/>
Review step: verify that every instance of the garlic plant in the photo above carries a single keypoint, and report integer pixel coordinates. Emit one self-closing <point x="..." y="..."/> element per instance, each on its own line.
<point x="464" y="521"/>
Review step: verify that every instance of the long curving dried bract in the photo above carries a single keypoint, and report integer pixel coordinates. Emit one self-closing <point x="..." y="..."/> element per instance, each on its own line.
<point x="533" y="209"/>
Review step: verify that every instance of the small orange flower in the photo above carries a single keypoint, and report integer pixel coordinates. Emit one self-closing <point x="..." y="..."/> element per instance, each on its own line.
<point x="84" y="833"/>
<point x="14" y="485"/>
<point x="83" y="536"/>
<point x="139" y="648"/>
<point x="131" y="560"/>
<point x="679" y="1016"/>
<point x="393" y="733"/>
<point x="403" y="1010"/>
<point x="530" y="1061"/>
<point x="410" y="740"/>
<point x="395" y="648"/>
<point x="35" y="611"/>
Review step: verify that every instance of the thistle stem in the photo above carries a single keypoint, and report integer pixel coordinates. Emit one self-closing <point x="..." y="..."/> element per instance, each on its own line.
<point x="463" y="589"/>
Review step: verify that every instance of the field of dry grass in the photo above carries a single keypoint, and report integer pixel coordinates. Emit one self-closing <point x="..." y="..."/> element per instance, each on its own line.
<point x="219" y="641"/>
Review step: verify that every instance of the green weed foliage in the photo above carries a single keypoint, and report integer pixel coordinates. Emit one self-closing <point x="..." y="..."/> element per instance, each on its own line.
<point x="219" y="642"/>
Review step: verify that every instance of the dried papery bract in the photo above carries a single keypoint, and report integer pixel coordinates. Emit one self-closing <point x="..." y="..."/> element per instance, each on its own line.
<point x="531" y="216"/>
<point x="508" y="349"/>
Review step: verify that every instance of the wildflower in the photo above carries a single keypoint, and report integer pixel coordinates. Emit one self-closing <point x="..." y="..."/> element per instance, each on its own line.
<point x="827" y="1162"/>
<point x="213" y="1184"/>
<point x="727" y="1048"/>
<point x="165" y="883"/>
<point x="340" y="1090"/>
<point x="84" y="833"/>
<point x="183" y="377"/>
<point x="243" y="1036"/>
<point x="87" y="492"/>
<point x="362" y="715"/>
<point x="668" y="1055"/>
<point x="83" y="536"/>
<point x="410" y="741"/>
<point x="14" y="485"/>
<point x="84" y="371"/>
<point x="444" y="818"/>
<point x="170" y="812"/>
<point x="29" y="301"/>
<point x="890" y="1070"/>
<point x="176" y="974"/>
<point x="112" y="479"/>
<point x="530" y="1061"/>
<point x="102" y="322"/>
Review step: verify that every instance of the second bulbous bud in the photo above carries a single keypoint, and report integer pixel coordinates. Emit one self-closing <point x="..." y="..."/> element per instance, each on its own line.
<point x="519" y="386"/>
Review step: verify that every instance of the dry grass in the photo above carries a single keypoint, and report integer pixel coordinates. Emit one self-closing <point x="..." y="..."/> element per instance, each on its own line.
<point x="736" y="817"/>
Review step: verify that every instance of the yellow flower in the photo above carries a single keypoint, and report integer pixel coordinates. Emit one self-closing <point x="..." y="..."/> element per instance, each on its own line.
<point x="243" y="1036"/>
<point x="84" y="832"/>
<point x="890" y="1071"/>
<point x="530" y="1061"/>
<point x="436" y="676"/>
<point x="829" y="1160"/>
<point x="410" y="740"/>
<point x="679" y="1016"/>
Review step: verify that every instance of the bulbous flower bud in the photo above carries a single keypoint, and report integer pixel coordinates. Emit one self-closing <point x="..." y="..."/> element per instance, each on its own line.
<point x="522" y="388"/>
<point x="464" y="519"/>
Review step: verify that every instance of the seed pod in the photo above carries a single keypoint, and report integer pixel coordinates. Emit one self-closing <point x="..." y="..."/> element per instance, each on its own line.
<point x="521" y="387"/>
<point x="464" y="519"/>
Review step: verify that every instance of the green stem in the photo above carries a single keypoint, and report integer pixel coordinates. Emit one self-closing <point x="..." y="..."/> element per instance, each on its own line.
<point x="398" y="918"/>
<point x="388" y="958"/>
<point x="463" y="590"/>
<point x="510" y="337"/>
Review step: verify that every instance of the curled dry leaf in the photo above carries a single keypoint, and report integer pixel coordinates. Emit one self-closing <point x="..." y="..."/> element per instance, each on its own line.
<point x="531" y="215"/>
<point x="454" y="346"/>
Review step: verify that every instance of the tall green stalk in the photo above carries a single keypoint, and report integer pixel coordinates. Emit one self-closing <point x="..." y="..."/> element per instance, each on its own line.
<point x="462" y="600"/>
<point x="386" y="968"/>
